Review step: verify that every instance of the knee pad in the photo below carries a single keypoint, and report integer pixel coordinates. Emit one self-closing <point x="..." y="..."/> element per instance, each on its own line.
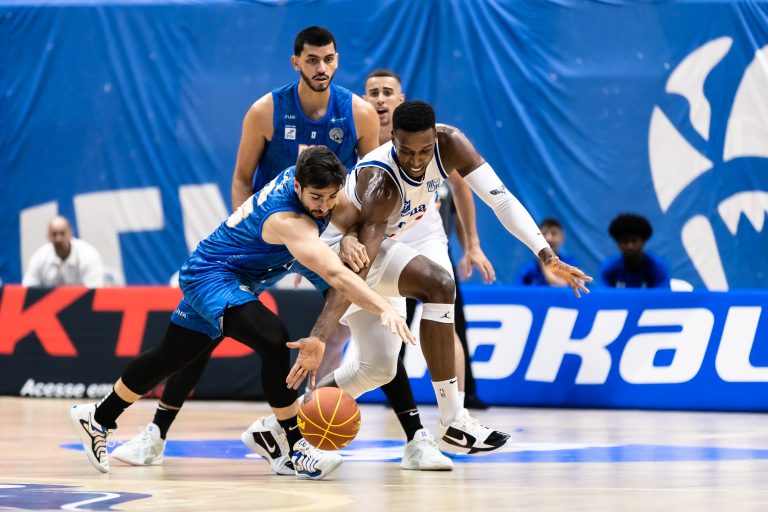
<point x="441" y="313"/>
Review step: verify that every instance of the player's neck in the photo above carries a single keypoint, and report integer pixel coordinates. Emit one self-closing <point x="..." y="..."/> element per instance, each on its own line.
<point x="314" y="104"/>
<point x="385" y="135"/>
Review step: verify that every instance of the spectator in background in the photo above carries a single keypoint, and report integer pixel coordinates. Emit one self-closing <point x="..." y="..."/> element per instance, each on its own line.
<point x="633" y="268"/>
<point x="534" y="274"/>
<point x="64" y="260"/>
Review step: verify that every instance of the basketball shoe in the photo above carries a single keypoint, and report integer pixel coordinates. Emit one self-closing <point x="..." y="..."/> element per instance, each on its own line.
<point x="466" y="435"/>
<point x="265" y="437"/>
<point x="313" y="463"/>
<point x="145" y="449"/>
<point x="91" y="434"/>
<point x="422" y="454"/>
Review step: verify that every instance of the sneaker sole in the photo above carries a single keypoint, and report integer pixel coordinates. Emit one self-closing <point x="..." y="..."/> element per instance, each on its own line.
<point x="436" y="467"/>
<point x="247" y="439"/>
<point x="85" y="439"/>
<point x="126" y="460"/>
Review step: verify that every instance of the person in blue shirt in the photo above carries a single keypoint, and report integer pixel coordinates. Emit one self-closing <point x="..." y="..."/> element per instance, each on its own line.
<point x="634" y="267"/>
<point x="534" y="274"/>
<point x="221" y="281"/>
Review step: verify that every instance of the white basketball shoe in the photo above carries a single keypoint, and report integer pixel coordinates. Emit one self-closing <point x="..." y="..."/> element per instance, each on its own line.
<point x="313" y="463"/>
<point x="91" y="434"/>
<point x="467" y="436"/>
<point x="422" y="454"/>
<point x="145" y="449"/>
<point x="265" y="437"/>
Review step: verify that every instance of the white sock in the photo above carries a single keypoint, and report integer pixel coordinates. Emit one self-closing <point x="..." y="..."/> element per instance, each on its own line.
<point x="461" y="397"/>
<point x="448" y="400"/>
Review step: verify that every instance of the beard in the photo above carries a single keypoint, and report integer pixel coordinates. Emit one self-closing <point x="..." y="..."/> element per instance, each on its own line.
<point x="307" y="80"/>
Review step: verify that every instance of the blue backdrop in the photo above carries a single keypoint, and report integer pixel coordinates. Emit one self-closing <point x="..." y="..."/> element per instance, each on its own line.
<point x="125" y="117"/>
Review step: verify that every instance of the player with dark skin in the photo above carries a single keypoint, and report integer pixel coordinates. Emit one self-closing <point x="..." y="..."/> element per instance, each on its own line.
<point x="421" y="279"/>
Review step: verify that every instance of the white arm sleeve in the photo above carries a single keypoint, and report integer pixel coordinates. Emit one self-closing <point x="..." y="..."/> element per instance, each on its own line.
<point x="510" y="212"/>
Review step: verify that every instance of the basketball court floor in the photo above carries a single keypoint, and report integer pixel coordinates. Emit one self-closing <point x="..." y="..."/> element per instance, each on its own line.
<point x="560" y="460"/>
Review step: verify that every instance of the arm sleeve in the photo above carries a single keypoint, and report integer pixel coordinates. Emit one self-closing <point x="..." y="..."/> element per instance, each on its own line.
<point x="510" y="212"/>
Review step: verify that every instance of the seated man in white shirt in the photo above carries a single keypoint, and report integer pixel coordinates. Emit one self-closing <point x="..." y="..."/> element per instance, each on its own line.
<point x="64" y="260"/>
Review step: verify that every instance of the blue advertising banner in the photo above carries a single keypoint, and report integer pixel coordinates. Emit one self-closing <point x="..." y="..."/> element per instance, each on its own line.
<point x="125" y="117"/>
<point x="626" y="349"/>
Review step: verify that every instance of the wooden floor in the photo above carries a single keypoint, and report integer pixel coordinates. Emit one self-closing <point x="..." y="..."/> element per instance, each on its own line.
<point x="561" y="460"/>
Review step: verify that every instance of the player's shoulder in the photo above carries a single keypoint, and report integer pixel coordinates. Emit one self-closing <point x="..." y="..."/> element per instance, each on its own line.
<point x="363" y="110"/>
<point x="261" y="111"/>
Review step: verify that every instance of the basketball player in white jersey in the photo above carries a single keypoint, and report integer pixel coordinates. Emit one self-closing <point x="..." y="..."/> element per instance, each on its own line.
<point x="392" y="186"/>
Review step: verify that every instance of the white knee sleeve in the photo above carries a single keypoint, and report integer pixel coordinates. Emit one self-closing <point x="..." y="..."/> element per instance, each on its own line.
<point x="377" y="362"/>
<point x="442" y="313"/>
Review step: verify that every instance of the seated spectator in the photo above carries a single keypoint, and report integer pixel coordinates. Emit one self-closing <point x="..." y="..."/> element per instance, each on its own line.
<point x="534" y="274"/>
<point x="633" y="268"/>
<point x="64" y="260"/>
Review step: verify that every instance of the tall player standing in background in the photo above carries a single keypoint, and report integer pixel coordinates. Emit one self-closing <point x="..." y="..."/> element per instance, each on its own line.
<point x="276" y="128"/>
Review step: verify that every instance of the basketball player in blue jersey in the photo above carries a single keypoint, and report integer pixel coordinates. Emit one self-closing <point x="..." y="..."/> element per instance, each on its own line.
<point x="392" y="187"/>
<point x="276" y="128"/>
<point x="221" y="281"/>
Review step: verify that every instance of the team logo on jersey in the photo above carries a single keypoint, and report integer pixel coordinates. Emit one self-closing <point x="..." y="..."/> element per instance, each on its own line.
<point x="336" y="135"/>
<point x="433" y="185"/>
<point x="290" y="133"/>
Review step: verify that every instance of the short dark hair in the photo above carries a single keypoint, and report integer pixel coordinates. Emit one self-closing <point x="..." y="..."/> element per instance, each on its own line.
<point x="550" y="222"/>
<point x="313" y="36"/>
<point x="630" y="224"/>
<point x="319" y="167"/>
<point x="384" y="72"/>
<point x="413" y="116"/>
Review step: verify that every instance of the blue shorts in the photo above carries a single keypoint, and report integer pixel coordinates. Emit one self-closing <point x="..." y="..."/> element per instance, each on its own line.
<point x="208" y="292"/>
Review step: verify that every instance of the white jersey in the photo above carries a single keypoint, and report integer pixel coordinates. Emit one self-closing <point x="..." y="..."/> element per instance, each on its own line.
<point x="415" y="195"/>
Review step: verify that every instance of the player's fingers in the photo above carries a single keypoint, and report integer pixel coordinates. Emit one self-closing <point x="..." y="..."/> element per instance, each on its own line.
<point x="293" y="344"/>
<point x="312" y="379"/>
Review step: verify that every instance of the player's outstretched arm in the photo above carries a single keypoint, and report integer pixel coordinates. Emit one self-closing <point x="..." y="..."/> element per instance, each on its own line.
<point x="299" y="234"/>
<point x="483" y="180"/>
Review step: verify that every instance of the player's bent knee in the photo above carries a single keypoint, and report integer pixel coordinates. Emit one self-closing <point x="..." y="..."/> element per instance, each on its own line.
<point x="442" y="287"/>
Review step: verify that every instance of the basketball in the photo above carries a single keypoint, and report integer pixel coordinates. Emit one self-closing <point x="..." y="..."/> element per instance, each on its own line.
<point x="329" y="418"/>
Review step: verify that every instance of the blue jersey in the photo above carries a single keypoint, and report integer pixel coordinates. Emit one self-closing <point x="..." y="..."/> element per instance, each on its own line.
<point x="651" y="273"/>
<point x="234" y="264"/>
<point x="294" y="131"/>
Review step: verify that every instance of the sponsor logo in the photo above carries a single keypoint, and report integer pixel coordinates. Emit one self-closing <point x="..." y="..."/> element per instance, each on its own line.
<point x="433" y="185"/>
<point x="638" y="345"/>
<point x="289" y="116"/>
<point x="290" y="133"/>
<point x="336" y="135"/>
<point x="720" y="133"/>
<point x="408" y="211"/>
<point x="338" y="119"/>
<point x="500" y="190"/>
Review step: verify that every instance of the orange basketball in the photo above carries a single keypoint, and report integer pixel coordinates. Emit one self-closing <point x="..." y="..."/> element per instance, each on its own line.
<point x="329" y="418"/>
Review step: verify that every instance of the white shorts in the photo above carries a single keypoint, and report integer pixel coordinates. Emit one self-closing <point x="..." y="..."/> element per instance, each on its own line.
<point x="392" y="258"/>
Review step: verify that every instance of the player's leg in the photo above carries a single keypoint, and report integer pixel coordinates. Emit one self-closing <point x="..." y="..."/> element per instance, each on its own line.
<point x="471" y="400"/>
<point x="94" y="422"/>
<point x="259" y="328"/>
<point x="429" y="282"/>
<point x="146" y="448"/>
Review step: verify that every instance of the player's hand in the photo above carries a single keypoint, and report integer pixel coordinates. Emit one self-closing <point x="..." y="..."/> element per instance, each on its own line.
<point x="395" y="323"/>
<point x="476" y="257"/>
<point x="572" y="276"/>
<point x="311" y="351"/>
<point x="353" y="253"/>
